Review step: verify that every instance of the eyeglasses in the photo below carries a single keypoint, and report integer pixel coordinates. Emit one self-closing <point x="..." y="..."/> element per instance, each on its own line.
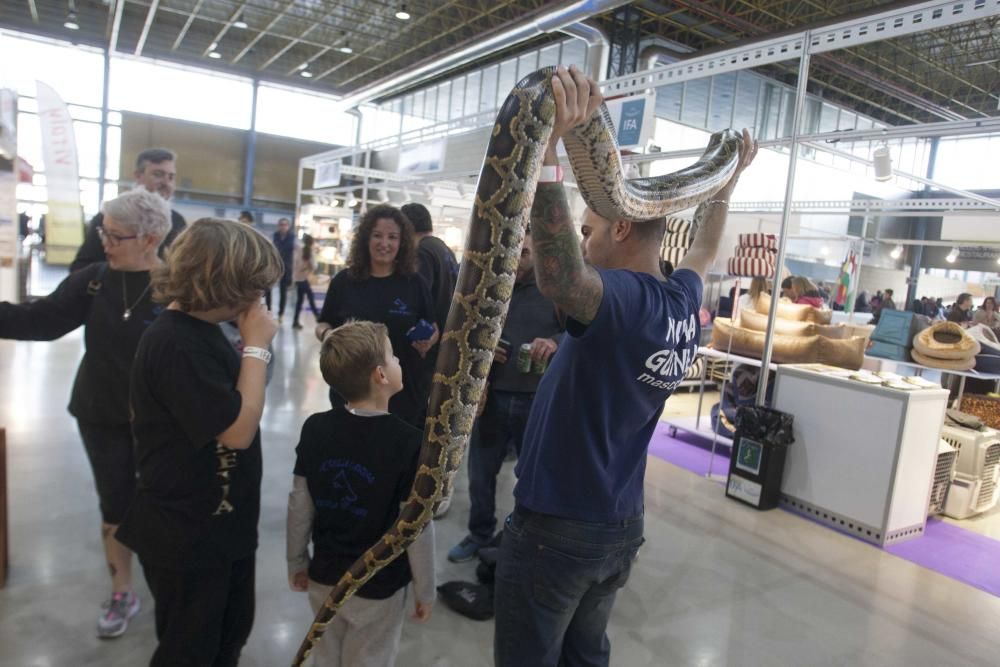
<point x="113" y="239"/>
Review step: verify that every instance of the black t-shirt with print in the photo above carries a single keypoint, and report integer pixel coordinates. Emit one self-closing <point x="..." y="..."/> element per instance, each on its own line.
<point x="196" y="502"/>
<point x="399" y="302"/>
<point x="358" y="470"/>
<point x="94" y="297"/>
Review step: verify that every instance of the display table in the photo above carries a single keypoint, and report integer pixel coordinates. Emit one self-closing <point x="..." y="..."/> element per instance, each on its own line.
<point x="878" y="363"/>
<point x="864" y="455"/>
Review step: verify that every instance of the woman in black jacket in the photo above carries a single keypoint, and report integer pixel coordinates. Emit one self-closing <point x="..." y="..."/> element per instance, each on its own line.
<point x="111" y="301"/>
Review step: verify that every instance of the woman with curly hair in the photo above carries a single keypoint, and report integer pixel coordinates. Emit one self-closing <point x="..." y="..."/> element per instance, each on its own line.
<point x="381" y="284"/>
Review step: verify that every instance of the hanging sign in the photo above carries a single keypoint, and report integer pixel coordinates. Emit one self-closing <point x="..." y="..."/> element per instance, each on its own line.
<point x="64" y="221"/>
<point x="424" y="157"/>
<point x="633" y="119"/>
<point x="327" y="174"/>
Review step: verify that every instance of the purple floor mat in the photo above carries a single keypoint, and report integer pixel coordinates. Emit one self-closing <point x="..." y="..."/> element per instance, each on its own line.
<point x="955" y="552"/>
<point x="944" y="548"/>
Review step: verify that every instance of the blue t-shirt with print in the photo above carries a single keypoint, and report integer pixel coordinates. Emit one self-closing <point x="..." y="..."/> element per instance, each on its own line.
<point x="584" y="450"/>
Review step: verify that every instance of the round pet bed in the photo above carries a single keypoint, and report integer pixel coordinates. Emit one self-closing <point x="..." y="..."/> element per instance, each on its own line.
<point x="762" y="253"/>
<point x="946" y="340"/>
<point x="750" y="267"/>
<point x="795" y="311"/>
<point x="944" y="364"/>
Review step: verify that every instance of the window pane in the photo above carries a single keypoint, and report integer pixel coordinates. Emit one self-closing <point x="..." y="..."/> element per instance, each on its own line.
<point x="527" y="64"/>
<point x="720" y="112"/>
<point x="668" y="101"/>
<point x="747" y="89"/>
<point x="574" y="53"/>
<point x="472" y="81"/>
<point x="695" y="102"/>
<point x="75" y="72"/>
<point x="457" y="98"/>
<point x="303" y="115"/>
<point x="508" y="77"/>
<point x="488" y="89"/>
<point x="444" y="91"/>
<point x="549" y="56"/>
<point x="181" y="93"/>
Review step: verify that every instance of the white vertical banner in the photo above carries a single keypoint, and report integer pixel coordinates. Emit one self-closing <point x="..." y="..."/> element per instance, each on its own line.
<point x="64" y="221"/>
<point x="8" y="199"/>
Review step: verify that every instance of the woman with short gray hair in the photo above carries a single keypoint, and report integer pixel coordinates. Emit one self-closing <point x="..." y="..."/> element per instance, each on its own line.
<point x="111" y="300"/>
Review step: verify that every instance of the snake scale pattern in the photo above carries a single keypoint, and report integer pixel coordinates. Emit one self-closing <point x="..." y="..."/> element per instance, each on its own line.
<point x="500" y="216"/>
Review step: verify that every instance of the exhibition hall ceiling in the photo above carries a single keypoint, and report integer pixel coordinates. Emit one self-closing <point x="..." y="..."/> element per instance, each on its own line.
<point x="347" y="45"/>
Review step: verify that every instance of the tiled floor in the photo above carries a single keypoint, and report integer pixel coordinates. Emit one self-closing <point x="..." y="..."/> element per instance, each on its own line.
<point x="716" y="584"/>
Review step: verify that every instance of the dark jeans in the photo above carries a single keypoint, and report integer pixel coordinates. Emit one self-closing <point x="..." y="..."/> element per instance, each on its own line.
<point x="303" y="290"/>
<point x="203" y="617"/>
<point x="556" y="583"/>
<point x="282" y="295"/>
<point x="503" y="420"/>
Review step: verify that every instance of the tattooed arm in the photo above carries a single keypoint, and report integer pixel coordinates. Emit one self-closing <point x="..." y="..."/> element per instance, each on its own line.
<point x="710" y="217"/>
<point x="562" y="276"/>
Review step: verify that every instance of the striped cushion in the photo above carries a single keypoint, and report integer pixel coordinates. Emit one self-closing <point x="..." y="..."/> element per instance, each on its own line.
<point x="751" y="267"/>
<point x="677" y="240"/>
<point x="762" y="253"/>
<point x="674" y="255"/>
<point x="678" y="226"/>
<point x="758" y="240"/>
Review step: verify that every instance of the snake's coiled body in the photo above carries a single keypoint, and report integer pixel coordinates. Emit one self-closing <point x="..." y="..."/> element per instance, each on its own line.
<point x="496" y="232"/>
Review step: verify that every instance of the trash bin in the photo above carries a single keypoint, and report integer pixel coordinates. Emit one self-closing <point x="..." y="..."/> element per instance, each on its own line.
<point x="758" y="456"/>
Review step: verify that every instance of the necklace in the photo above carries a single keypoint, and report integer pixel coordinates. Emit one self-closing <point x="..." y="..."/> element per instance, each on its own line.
<point x="127" y="314"/>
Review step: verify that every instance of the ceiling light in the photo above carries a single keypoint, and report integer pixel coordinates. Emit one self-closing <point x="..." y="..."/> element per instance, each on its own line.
<point x="306" y="74"/>
<point x="998" y="260"/>
<point x="383" y="196"/>
<point x="825" y="250"/>
<point x="346" y="48"/>
<point x="71" y="23"/>
<point x="897" y="252"/>
<point x="402" y="14"/>
<point x="882" y="161"/>
<point x="241" y="24"/>
<point x="952" y="256"/>
<point x="214" y="54"/>
<point x="352" y="201"/>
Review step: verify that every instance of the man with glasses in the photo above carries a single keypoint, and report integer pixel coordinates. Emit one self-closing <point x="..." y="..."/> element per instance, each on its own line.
<point x="155" y="170"/>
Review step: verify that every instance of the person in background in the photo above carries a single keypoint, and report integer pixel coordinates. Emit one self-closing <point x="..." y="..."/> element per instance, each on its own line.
<point x="196" y="409"/>
<point x="531" y="320"/>
<point x="111" y="301"/>
<point x="246" y="217"/>
<point x="861" y="302"/>
<point x="303" y="268"/>
<point x="961" y="311"/>
<point x="987" y="314"/>
<point x="381" y="284"/>
<point x="437" y="265"/>
<point x="156" y="171"/>
<point x="786" y="288"/>
<point x="887" y="302"/>
<point x="804" y="291"/>
<point x="577" y="525"/>
<point x="354" y="468"/>
<point x="758" y="286"/>
<point x="284" y="241"/>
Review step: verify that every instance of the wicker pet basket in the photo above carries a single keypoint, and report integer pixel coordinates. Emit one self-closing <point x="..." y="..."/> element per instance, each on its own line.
<point x="986" y="408"/>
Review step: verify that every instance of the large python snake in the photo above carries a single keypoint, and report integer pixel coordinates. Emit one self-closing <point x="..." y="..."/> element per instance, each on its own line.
<point x="496" y="232"/>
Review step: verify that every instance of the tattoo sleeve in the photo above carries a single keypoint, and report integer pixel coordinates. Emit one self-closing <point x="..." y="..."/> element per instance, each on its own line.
<point x="561" y="273"/>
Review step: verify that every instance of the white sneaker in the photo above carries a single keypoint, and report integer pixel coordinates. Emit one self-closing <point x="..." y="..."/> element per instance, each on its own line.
<point x="116" y="614"/>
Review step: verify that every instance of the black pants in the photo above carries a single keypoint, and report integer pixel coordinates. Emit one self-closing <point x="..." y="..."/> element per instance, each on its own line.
<point x="203" y="617"/>
<point x="282" y="296"/>
<point x="303" y="290"/>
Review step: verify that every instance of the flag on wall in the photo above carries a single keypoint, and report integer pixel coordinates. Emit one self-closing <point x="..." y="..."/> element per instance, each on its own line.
<point x="64" y="221"/>
<point x="847" y="282"/>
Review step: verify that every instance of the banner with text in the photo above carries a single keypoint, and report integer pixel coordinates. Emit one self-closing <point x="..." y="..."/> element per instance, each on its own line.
<point x="64" y="221"/>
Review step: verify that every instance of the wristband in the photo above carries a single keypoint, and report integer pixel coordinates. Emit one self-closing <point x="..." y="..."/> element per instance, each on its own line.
<point x="257" y="353"/>
<point x="550" y="173"/>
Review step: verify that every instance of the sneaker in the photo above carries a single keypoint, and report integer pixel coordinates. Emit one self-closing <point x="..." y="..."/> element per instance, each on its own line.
<point x="117" y="612"/>
<point x="464" y="551"/>
<point x="296" y="325"/>
<point x="442" y="507"/>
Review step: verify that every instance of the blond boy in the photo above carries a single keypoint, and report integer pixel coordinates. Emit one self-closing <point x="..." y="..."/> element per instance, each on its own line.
<point x="355" y="465"/>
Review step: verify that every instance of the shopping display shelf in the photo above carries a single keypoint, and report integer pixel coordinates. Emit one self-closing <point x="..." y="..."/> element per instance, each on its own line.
<point x="920" y="368"/>
<point x="698" y="424"/>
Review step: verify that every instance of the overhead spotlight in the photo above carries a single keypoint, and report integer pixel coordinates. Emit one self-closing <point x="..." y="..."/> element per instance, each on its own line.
<point x="825" y="250"/>
<point x="383" y="196"/>
<point x="952" y="256"/>
<point x="214" y="54"/>
<point x="882" y="161"/>
<point x="238" y="21"/>
<point x="346" y="48"/>
<point x="306" y="74"/>
<point x="352" y="201"/>
<point x="461" y="190"/>
<point x="998" y="260"/>
<point x="71" y="23"/>
<point x="402" y="14"/>
<point x="897" y="252"/>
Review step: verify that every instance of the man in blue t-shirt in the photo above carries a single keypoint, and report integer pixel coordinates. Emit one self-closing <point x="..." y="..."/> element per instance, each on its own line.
<point x="577" y="522"/>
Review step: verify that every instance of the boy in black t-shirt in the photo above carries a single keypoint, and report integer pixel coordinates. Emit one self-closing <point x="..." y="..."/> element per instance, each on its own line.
<point x="196" y="409"/>
<point x="355" y="465"/>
